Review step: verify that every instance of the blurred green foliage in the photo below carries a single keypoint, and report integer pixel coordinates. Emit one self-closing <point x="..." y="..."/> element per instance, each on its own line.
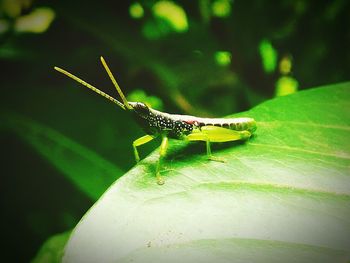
<point x="152" y="101"/>
<point x="286" y="85"/>
<point x="223" y="58"/>
<point x="208" y="58"/>
<point x="172" y="14"/>
<point x="136" y="10"/>
<point x="268" y="56"/>
<point x="221" y="8"/>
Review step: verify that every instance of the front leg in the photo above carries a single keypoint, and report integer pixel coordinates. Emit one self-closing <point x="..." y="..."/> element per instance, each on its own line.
<point x="140" y="141"/>
<point x="162" y="153"/>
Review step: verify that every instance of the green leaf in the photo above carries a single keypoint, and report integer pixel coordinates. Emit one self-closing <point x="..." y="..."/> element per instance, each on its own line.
<point x="52" y="250"/>
<point x="283" y="196"/>
<point x="83" y="167"/>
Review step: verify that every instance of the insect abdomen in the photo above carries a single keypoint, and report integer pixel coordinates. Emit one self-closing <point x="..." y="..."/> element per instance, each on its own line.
<point x="237" y="124"/>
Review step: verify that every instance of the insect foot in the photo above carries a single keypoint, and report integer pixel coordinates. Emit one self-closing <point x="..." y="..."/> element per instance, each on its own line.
<point x="217" y="159"/>
<point x="160" y="180"/>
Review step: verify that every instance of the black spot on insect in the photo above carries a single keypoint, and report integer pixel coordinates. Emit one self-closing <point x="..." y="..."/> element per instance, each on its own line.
<point x="225" y="125"/>
<point x="233" y="126"/>
<point x="217" y="124"/>
<point x="243" y="126"/>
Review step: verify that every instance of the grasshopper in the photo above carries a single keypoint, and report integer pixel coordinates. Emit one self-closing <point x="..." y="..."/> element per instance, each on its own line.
<point x="181" y="127"/>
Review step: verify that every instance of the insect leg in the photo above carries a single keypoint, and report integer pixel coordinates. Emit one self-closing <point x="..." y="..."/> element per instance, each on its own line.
<point x="209" y="155"/>
<point x="138" y="142"/>
<point x="202" y="136"/>
<point x="163" y="149"/>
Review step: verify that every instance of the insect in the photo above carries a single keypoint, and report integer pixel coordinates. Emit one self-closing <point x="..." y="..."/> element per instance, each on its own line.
<point x="181" y="127"/>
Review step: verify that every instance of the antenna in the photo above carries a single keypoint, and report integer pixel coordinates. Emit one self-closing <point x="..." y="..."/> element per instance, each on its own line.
<point x="125" y="102"/>
<point x="70" y="75"/>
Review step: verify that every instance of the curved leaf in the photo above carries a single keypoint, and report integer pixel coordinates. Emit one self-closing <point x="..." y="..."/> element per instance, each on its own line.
<point x="52" y="249"/>
<point x="84" y="168"/>
<point x="284" y="195"/>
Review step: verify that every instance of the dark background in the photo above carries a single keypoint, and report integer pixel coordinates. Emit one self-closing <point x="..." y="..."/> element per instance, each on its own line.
<point x="175" y="70"/>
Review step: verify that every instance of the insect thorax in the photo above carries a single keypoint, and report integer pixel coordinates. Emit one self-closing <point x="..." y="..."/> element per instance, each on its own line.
<point x="156" y="122"/>
<point x="165" y="123"/>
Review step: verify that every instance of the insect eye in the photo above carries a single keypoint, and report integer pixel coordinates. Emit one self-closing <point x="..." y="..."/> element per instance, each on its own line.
<point x="141" y="108"/>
